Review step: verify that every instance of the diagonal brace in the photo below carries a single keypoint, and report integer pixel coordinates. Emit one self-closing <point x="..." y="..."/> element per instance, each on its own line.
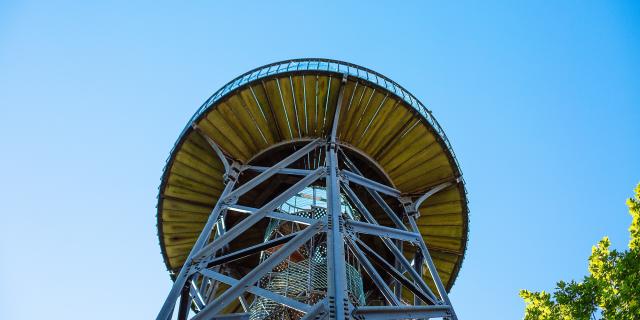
<point x="370" y="184"/>
<point x="397" y="275"/>
<point x="272" y="170"/>
<point x="249" y="221"/>
<point x="294" y="304"/>
<point x="254" y="275"/>
<point x="373" y="273"/>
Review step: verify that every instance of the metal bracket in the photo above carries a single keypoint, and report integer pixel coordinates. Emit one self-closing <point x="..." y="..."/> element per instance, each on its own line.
<point x="221" y="155"/>
<point x="409" y="208"/>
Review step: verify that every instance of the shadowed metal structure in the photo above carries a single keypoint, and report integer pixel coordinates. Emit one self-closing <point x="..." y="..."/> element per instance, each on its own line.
<point x="311" y="189"/>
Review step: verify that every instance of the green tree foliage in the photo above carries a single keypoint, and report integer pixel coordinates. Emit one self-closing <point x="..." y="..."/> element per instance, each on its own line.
<point x="610" y="291"/>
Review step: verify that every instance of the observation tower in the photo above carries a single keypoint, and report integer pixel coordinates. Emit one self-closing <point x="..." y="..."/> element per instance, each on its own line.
<point x="312" y="189"/>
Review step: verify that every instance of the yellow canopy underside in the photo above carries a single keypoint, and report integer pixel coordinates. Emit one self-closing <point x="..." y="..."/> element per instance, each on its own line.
<point x="271" y="111"/>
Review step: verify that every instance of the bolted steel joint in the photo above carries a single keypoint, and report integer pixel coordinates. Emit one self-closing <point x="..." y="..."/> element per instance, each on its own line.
<point x="233" y="172"/>
<point x="409" y="207"/>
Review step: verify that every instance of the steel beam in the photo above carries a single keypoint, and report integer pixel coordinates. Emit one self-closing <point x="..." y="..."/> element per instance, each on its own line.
<point x="294" y="304"/>
<point x="249" y="221"/>
<point x="195" y="296"/>
<point x="254" y="275"/>
<point x="382" y="231"/>
<point x="185" y="302"/>
<point x="318" y="312"/>
<point x="289" y="171"/>
<point x="238" y="254"/>
<point x="388" y="243"/>
<point x="370" y="184"/>
<point x="274" y="214"/>
<point x="358" y="203"/>
<point x="373" y="273"/>
<point x="271" y="171"/>
<point x="389" y="268"/>
<point x="232" y="316"/>
<point x="336" y="270"/>
<point x="392" y="215"/>
<point x="403" y="312"/>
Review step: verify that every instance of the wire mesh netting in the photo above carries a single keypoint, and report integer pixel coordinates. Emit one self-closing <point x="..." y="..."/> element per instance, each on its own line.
<point x="303" y="275"/>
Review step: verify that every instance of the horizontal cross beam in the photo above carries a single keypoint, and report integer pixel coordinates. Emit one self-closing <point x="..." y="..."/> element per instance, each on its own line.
<point x="274" y="214"/>
<point x="263" y="176"/>
<point x="370" y="184"/>
<point x="290" y="171"/>
<point x="250" y="250"/>
<point x="402" y="312"/>
<point x="382" y="231"/>
<point x="249" y="221"/>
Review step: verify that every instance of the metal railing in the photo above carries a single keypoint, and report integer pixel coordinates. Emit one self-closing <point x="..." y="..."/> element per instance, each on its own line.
<point x="328" y="65"/>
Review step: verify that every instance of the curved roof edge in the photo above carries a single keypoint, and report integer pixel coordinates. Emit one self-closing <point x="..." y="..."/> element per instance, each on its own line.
<point x="327" y="65"/>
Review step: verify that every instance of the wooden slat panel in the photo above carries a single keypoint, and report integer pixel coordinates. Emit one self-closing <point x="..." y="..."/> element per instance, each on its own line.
<point x="179" y="227"/>
<point x="286" y="96"/>
<point x="267" y="109"/>
<point x="350" y="109"/>
<point x="441" y="173"/>
<point x="421" y="170"/>
<point x="177" y="180"/>
<point x="378" y="122"/>
<point x="258" y="113"/>
<point x="189" y="160"/>
<point x="447" y="207"/>
<point x="405" y="147"/>
<point x="247" y="123"/>
<point x="447" y="243"/>
<point x="431" y="150"/>
<point x="222" y="133"/>
<point x="427" y="220"/>
<point x="396" y="124"/>
<point x="449" y="194"/>
<point x="273" y="95"/>
<point x="169" y="215"/>
<point x="186" y="194"/>
<point x="358" y="109"/>
<point x="323" y="86"/>
<point x="175" y="204"/>
<point x="238" y="126"/>
<point x="311" y="83"/>
<point x="366" y="116"/>
<point x="300" y="104"/>
<point x="193" y="174"/>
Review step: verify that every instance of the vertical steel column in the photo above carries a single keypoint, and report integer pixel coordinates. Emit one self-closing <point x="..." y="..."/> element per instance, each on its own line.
<point x="337" y="273"/>
<point x="338" y="303"/>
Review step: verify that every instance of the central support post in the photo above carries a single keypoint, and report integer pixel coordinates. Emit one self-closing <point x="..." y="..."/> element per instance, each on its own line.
<point x="337" y="274"/>
<point x="337" y="286"/>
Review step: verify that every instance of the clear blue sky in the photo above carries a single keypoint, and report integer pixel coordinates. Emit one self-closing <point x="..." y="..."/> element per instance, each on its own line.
<point x="541" y="102"/>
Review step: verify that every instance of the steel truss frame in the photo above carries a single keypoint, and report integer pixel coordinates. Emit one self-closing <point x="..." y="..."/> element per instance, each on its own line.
<point x="195" y="286"/>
